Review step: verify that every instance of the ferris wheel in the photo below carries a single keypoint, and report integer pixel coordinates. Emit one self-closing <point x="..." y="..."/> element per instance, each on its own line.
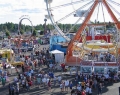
<point x="75" y="12"/>
<point x="84" y="16"/>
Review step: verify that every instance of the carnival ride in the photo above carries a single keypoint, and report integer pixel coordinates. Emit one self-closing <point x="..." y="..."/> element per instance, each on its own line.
<point x="17" y="42"/>
<point x="86" y="43"/>
<point x="18" y="39"/>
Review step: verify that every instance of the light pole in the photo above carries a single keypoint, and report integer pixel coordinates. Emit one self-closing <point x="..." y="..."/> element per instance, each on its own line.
<point x="45" y="28"/>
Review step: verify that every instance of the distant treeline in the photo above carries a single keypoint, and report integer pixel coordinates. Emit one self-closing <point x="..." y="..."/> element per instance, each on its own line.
<point x="11" y="27"/>
<point x="14" y="27"/>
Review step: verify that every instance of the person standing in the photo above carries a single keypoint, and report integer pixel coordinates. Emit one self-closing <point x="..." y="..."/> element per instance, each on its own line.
<point x="27" y="86"/>
<point x="10" y="89"/>
<point x="71" y="85"/>
<point x="87" y="90"/>
<point x="17" y="88"/>
<point x="3" y="81"/>
<point x="95" y="83"/>
<point x="23" y="69"/>
<point x="99" y="89"/>
<point x="61" y="87"/>
<point x="59" y="79"/>
<point x="44" y="80"/>
<point x="54" y="80"/>
<point x="66" y="85"/>
<point x="83" y="84"/>
<point x="39" y="79"/>
<point x="49" y="85"/>
<point x="13" y="90"/>
<point x="90" y="91"/>
<point x="83" y="92"/>
<point x="17" y="91"/>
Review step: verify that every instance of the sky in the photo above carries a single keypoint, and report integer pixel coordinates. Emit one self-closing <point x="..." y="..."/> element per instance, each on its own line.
<point x="35" y="10"/>
<point x="13" y="10"/>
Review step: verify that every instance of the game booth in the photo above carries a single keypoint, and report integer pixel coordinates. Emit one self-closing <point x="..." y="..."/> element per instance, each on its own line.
<point x="98" y="69"/>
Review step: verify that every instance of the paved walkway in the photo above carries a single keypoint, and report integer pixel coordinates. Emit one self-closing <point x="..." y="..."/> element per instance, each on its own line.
<point x="111" y="89"/>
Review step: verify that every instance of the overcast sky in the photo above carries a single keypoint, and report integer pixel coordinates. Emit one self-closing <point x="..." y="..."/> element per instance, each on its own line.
<point x="12" y="10"/>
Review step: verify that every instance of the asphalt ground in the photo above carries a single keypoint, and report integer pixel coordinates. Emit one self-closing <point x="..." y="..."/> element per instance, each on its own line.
<point x="109" y="89"/>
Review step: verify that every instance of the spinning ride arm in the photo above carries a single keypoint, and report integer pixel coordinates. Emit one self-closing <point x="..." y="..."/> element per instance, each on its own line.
<point x="79" y="32"/>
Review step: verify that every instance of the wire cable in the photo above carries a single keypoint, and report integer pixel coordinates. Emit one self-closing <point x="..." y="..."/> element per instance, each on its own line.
<point x="64" y="5"/>
<point x="113" y="8"/>
<point x="74" y="12"/>
<point x="114" y="2"/>
<point x="80" y="18"/>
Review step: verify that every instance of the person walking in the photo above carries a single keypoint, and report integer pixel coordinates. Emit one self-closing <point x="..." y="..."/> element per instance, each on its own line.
<point x="13" y="90"/>
<point x="90" y="91"/>
<point x="17" y="88"/>
<point x="87" y="90"/>
<point x="99" y="89"/>
<point x="83" y="92"/>
<point x="62" y="86"/>
<point x="54" y="80"/>
<point x="71" y="85"/>
<point x="27" y="86"/>
<point x="10" y="93"/>
<point x="39" y="79"/>
<point x="66" y="85"/>
<point x="23" y="68"/>
<point x="49" y="85"/>
<point x="3" y="81"/>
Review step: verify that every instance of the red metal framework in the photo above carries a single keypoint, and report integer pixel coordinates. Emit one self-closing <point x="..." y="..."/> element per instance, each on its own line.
<point x="69" y="57"/>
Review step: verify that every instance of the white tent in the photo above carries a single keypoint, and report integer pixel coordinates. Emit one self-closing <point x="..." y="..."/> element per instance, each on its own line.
<point x="59" y="55"/>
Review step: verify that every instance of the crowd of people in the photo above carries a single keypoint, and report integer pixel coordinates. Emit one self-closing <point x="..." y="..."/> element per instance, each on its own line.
<point x="85" y="83"/>
<point x="101" y="57"/>
<point x="32" y="75"/>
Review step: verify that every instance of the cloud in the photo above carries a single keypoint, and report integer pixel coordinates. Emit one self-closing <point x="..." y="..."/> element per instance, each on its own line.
<point x="4" y="5"/>
<point x="36" y="10"/>
<point x="12" y="10"/>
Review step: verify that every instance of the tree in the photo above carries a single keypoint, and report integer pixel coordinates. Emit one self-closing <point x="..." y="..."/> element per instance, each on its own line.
<point x="34" y="33"/>
<point x="60" y="26"/>
<point x="75" y="29"/>
<point x="7" y="33"/>
<point x="10" y="26"/>
<point x="4" y="27"/>
<point x="42" y="32"/>
<point x="68" y="26"/>
<point x="22" y="31"/>
<point x="1" y="27"/>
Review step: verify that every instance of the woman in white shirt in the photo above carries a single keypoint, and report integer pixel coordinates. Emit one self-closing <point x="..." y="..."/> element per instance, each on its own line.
<point x="87" y="90"/>
<point x="79" y="88"/>
<point x="44" y="80"/>
<point x="90" y="91"/>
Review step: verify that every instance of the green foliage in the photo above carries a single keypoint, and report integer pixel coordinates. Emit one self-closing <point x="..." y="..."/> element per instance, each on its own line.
<point x="22" y="31"/>
<point x="75" y="29"/>
<point x="11" y="27"/>
<point x="34" y="33"/>
<point x="39" y="27"/>
<point x="7" y="33"/>
<point x="41" y="33"/>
